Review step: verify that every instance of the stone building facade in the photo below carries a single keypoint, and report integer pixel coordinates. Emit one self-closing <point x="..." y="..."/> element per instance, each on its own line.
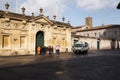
<point x="21" y="34"/>
<point x="99" y="37"/>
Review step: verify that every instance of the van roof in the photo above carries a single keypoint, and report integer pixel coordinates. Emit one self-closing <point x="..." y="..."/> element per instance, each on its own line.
<point x="80" y="42"/>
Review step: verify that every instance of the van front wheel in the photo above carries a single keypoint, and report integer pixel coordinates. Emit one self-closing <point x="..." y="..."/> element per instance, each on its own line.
<point x="86" y="51"/>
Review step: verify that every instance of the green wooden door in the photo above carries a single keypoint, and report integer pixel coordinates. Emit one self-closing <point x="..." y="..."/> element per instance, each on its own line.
<point x="40" y="39"/>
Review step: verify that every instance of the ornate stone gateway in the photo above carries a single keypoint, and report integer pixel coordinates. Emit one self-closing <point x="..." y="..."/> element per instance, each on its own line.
<point x="21" y="34"/>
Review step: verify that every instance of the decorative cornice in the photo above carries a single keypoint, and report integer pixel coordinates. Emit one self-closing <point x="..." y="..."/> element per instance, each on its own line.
<point x="19" y="17"/>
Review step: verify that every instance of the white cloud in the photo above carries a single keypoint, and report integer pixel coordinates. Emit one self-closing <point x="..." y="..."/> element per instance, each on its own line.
<point x="95" y="4"/>
<point x="50" y="7"/>
<point x="3" y="2"/>
<point x="57" y="7"/>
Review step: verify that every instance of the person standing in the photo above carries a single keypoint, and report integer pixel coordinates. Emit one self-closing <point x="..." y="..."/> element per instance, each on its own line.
<point x="49" y="50"/>
<point x="52" y="49"/>
<point x="38" y="50"/>
<point x="57" y="50"/>
<point x="66" y="50"/>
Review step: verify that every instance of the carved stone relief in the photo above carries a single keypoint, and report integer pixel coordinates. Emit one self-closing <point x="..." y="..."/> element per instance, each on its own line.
<point x="6" y="31"/>
<point x="24" y="27"/>
<point x="24" y="32"/>
<point x="5" y="25"/>
<point x="13" y="26"/>
<point x="40" y="27"/>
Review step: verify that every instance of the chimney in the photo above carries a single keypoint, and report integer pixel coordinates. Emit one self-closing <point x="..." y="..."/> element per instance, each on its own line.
<point x="89" y="22"/>
<point x="68" y="22"/>
<point x="33" y="15"/>
<point x="48" y="17"/>
<point x="63" y="19"/>
<point x="23" y="10"/>
<point x="41" y="11"/>
<point x="54" y="17"/>
<point x="7" y="7"/>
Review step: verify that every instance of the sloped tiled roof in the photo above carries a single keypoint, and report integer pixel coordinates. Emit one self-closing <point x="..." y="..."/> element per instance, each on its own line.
<point x="77" y="27"/>
<point x="101" y="27"/>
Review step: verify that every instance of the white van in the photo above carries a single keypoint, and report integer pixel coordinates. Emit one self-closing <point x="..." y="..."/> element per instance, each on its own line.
<point x="80" y="47"/>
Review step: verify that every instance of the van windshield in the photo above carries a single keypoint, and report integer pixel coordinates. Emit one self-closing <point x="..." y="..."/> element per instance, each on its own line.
<point x="79" y="45"/>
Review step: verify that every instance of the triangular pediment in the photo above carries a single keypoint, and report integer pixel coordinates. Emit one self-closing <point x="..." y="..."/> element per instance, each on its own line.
<point x="42" y="19"/>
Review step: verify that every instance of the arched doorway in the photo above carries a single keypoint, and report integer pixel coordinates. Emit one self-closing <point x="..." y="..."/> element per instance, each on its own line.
<point x="39" y="39"/>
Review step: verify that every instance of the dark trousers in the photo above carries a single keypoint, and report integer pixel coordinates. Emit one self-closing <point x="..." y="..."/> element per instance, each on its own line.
<point x="57" y="52"/>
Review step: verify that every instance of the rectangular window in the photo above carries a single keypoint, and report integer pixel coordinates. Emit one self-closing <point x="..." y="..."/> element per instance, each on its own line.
<point x="104" y="33"/>
<point x="115" y="32"/>
<point x="23" y="42"/>
<point x="95" y="34"/>
<point x="88" y="34"/>
<point x="6" y="41"/>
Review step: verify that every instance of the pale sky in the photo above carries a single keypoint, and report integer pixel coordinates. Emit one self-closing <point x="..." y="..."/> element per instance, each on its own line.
<point x="75" y="11"/>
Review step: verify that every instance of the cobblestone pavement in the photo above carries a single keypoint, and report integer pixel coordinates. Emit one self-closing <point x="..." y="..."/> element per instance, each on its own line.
<point x="96" y="65"/>
<point x="31" y="59"/>
<point x="114" y="52"/>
